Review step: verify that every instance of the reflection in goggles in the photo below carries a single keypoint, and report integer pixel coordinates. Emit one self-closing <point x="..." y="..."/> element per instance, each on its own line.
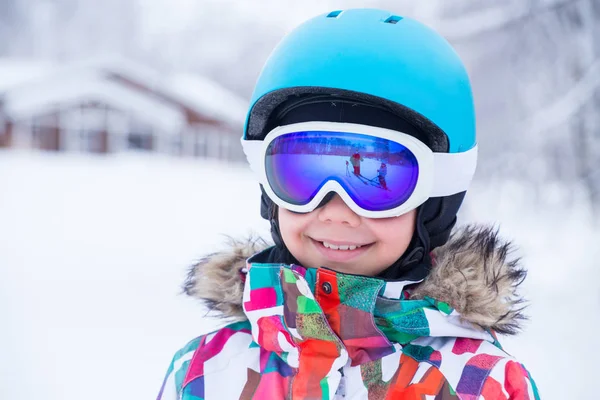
<point x="377" y="173"/>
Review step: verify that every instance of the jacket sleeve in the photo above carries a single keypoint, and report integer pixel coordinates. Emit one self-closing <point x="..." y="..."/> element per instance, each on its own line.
<point x="173" y="382"/>
<point x="517" y="383"/>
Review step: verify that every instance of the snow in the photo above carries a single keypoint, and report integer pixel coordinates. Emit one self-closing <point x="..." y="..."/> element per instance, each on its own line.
<point x="211" y="98"/>
<point x="94" y="250"/>
<point x="93" y="254"/>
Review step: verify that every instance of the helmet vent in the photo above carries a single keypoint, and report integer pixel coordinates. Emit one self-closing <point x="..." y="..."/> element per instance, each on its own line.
<point x="334" y="14"/>
<point x="394" y="19"/>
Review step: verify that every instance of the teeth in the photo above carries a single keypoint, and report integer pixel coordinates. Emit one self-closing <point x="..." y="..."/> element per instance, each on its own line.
<point x="341" y="247"/>
<point x="330" y="246"/>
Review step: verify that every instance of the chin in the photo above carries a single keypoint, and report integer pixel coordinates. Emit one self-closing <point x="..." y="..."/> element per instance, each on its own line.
<point x="344" y="268"/>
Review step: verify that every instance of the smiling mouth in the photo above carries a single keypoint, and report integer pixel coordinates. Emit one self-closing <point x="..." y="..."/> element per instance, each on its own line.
<point x="340" y="246"/>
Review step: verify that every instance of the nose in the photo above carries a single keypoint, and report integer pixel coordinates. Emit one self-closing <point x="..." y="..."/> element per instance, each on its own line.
<point x="336" y="211"/>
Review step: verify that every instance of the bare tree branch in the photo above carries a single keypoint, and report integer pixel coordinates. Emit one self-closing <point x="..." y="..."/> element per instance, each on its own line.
<point x="496" y="18"/>
<point x="568" y="104"/>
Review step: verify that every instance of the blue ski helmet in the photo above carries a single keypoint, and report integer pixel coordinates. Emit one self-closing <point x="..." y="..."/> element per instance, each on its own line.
<point x="374" y="58"/>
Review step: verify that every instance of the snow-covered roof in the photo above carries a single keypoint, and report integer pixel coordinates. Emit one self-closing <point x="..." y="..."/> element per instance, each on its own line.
<point x="29" y="87"/>
<point x="201" y="94"/>
<point x="28" y="100"/>
<point x="122" y="66"/>
<point x="207" y="97"/>
<point x="15" y="71"/>
<point x="32" y="72"/>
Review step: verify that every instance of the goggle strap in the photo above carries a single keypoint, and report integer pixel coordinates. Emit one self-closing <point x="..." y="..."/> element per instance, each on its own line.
<point x="252" y="149"/>
<point x="453" y="172"/>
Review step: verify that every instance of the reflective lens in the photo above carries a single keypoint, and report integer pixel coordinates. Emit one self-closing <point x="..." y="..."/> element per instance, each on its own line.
<point x="378" y="174"/>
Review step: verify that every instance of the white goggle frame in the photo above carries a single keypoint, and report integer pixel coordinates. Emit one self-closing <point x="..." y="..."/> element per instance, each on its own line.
<point x="440" y="174"/>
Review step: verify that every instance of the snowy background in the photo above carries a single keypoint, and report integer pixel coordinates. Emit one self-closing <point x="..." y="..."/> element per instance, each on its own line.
<point x="93" y="249"/>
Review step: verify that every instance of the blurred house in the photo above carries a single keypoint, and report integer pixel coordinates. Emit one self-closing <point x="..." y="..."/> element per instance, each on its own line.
<point x="113" y="105"/>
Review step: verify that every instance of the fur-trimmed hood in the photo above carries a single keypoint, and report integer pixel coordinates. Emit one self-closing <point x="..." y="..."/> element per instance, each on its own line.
<point x="473" y="273"/>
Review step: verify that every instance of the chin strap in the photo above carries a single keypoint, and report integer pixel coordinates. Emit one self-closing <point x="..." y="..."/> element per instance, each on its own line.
<point x="434" y="223"/>
<point x="280" y="253"/>
<point x="415" y="263"/>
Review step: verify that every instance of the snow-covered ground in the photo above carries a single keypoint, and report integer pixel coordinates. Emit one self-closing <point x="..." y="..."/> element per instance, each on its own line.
<point x="93" y="250"/>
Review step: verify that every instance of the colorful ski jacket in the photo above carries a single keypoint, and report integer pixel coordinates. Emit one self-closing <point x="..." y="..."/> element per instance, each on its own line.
<point x="320" y="334"/>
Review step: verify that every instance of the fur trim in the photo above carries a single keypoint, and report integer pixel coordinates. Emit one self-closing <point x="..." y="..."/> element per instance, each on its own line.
<point x="217" y="280"/>
<point x="473" y="273"/>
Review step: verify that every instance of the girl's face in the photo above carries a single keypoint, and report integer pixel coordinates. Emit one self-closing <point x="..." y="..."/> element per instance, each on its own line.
<point x="334" y="236"/>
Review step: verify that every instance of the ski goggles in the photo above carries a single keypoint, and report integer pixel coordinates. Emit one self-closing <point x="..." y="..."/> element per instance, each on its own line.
<point x="378" y="172"/>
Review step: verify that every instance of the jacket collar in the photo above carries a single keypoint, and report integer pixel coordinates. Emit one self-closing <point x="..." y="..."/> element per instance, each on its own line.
<point x="473" y="285"/>
<point x="355" y="317"/>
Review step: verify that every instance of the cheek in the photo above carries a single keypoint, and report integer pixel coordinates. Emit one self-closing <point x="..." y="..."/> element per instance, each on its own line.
<point x="291" y="227"/>
<point x="397" y="232"/>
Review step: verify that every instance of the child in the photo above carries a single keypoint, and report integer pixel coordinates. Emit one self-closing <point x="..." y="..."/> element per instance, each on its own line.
<point x="365" y="294"/>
